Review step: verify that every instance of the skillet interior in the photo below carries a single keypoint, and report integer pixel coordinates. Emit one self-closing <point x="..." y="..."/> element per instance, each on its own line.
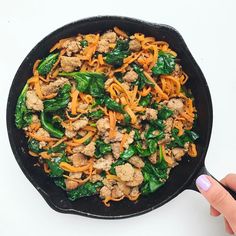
<point x="180" y="177"/>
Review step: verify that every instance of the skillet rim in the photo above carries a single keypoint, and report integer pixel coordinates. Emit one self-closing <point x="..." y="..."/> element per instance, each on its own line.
<point x="185" y="185"/>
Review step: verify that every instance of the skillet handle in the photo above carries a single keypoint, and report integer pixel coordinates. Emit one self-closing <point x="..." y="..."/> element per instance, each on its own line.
<point x="204" y="171"/>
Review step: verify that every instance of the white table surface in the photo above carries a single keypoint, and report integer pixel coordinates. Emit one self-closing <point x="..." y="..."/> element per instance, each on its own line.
<point x="208" y="28"/>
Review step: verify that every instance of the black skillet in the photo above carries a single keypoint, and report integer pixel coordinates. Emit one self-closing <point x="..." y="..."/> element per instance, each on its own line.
<point x="182" y="177"/>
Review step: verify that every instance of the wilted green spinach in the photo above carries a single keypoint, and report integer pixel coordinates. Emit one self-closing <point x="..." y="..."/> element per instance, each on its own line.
<point x="102" y="148"/>
<point x="95" y="115"/>
<point x="154" y="175"/>
<point x="47" y="125"/>
<point x="113" y="105"/>
<point x="47" y="63"/>
<point x="33" y="146"/>
<point x="88" y="82"/>
<point x="145" y="101"/>
<point x="23" y="116"/>
<point x="60" y="101"/>
<point x="142" y="80"/>
<point x="165" y="64"/>
<point x="117" y="55"/>
<point x="85" y="190"/>
<point x="55" y="170"/>
<point x="164" y="113"/>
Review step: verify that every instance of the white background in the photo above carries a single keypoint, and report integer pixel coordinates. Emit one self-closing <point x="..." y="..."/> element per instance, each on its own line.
<point x="208" y="28"/>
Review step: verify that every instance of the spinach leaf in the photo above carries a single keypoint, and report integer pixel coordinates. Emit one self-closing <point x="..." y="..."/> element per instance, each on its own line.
<point x="113" y="105"/>
<point x="88" y="141"/>
<point x="46" y="64"/>
<point x="149" y="134"/>
<point x="60" y="101"/>
<point x="161" y="155"/>
<point x="47" y="125"/>
<point x="85" y="190"/>
<point x="150" y="183"/>
<point x="60" y="182"/>
<point x="114" y="164"/>
<point x="142" y="80"/>
<point x="119" y="77"/>
<point x="192" y="135"/>
<point x="127" y="118"/>
<point x="60" y="148"/>
<point x="158" y="124"/>
<point x="55" y="170"/>
<point x="99" y="101"/>
<point x="117" y="55"/>
<point x="179" y="141"/>
<point x="33" y="146"/>
<point x="152" y="145"/>
<point x="165" y="64"/>
<point x="151" y="148"/>
<point x="88" y="82"/>
<point x="154" y="105"/>
<point x="154" y="175"/>
<point x="128" y="153"/>
<point x="137" y="135"/>
<point x="95" y="115"/>
<point x="84" y="43"/>
<point x="142" y="152"/>
<point x="164" y="113"/>
<point x="23" y="116"/>
<point x="145" y="101"/>
<point x="102" y="148"/>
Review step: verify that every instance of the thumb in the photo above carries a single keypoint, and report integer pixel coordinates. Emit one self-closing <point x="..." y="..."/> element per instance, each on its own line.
<point x="217" y="196"/>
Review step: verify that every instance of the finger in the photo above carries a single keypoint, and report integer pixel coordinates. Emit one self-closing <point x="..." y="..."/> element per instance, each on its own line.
<point x="228" y="227"/>
<point x="214" y="212"/>
<point x="229" y="181"/>
<point x="218" y="197"/>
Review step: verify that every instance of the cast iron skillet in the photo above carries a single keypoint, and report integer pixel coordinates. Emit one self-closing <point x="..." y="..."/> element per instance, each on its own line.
<point x="182" y="177"/>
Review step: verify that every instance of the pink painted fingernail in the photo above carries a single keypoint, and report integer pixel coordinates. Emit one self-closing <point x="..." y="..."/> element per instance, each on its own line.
<point x="203" y="182"/>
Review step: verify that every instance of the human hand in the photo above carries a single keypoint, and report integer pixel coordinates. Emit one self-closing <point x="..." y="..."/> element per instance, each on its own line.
<point x="220" y="200"/>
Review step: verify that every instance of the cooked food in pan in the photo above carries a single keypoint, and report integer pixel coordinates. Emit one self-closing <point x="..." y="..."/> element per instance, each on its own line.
<point x="108" y="114"/>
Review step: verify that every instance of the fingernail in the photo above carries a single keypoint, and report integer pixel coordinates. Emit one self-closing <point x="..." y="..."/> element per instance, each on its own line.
<point x="203" y="182"/>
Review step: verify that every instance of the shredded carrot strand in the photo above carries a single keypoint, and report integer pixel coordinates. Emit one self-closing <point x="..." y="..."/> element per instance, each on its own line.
<point x="169" y="160"/>
<point x="36" y="64"/>
<point x="41" y="138"/>
<point x="100" y="59"/>
<point x="112" y="119"/>
<point x="123" y="141"/>
<point x="82" y="140"/>
<point x="157" y="88"/>
<point x="131" y="114"/>
<point x="192" y="152"/>
<point x="72" y="118"/>
<point x="90" y="128"/>
<point x="33" y="154"/>
<point x="74" y="102"/>
<point x="106" y="200"/>
<point x="155" y="55"/>
<point x="145" y="91"/>
<point x="46" y="169"/>
<point x="67" y="167"/>
<point x="120" y="32"/>
<point x="45" y="155"/>
<point x="59" y="141"/>
<point x="133" y="198"/>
